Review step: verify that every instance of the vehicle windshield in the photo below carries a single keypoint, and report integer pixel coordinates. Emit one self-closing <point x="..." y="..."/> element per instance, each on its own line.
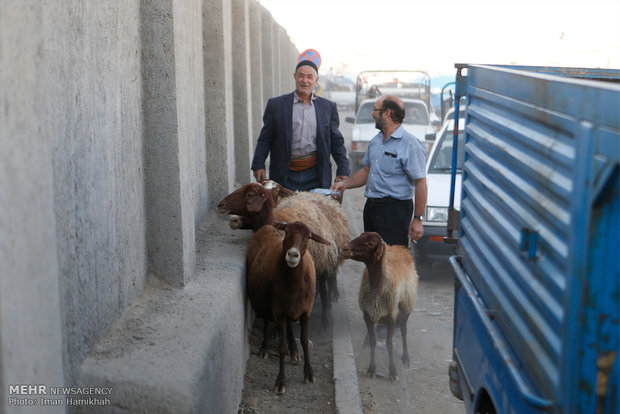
<point x="415" y="113"/>
<point x="340" y="85"/>
<point x="406" y="84"/>
<point x="442" y="157"/>
<point x="364" y="115"/>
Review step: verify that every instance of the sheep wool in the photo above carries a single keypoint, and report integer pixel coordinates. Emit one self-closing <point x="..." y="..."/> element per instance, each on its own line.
<point x="256" y="204"/>
<point x="387" y="292"/>
<point x="398" y="290"/>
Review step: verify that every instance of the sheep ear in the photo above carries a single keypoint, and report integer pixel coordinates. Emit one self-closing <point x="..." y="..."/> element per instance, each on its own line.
<point x="319" y="239"/>
<point x="256" y="202"/>
<point x="380" y="250"/>
<point x="285" y="192"/>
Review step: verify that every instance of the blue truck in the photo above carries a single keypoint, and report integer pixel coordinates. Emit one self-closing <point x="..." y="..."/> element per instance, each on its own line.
<point x="536" y="303"/>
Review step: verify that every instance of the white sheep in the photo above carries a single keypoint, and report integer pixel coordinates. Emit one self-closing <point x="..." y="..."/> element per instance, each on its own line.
<point x="387" y="293"/>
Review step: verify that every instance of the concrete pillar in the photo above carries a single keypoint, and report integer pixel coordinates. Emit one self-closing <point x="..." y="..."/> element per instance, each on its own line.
<point x="95" y="123"/>
<point x="295" y="55"/>
<point x="287" y="65"/>
<point x="189" y="63"/>
<point x="30" y="320"/>
<point x="218" y="98"/>
<point x="269" y="82"/>
<point x="256" y="69"/>
<point x="242" y="93"/>
<point x="170" y="241"/>
<point x="275" y="59"/>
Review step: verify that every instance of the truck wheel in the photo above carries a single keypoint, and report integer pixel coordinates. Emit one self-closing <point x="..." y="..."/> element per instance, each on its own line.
<point x="455" y="387"/>
<point x="485" y="405"/>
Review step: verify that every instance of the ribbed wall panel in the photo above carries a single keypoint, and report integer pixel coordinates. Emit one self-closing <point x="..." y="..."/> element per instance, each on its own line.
<point x="519" y="171"/>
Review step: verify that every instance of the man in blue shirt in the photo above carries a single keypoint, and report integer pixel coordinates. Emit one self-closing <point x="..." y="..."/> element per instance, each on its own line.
<point x="394" y="170"/>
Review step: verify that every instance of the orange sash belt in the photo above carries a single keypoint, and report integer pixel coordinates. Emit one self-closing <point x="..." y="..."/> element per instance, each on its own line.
<point x="303" y="162"/>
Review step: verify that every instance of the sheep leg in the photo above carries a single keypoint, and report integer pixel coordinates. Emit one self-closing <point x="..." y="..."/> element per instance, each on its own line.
<point x="292" y="345"/>
<point x="370" y="326"/>
<point x="365" y="343"/>
<point x="332" y="288"/>
<point x="308" y="372"/>
<point x="390" y="347"/>
<point x="403" y="334"/>
<point x="281" y="380"/>
<point x="325" y="301"/>
<point x="263" y="349"/>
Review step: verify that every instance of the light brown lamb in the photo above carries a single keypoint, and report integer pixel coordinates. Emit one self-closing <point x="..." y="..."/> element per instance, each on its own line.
<point x="387" y="293"/>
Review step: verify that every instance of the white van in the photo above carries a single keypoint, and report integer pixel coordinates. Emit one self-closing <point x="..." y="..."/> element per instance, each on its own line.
<point x="431" y="246"/>
<point x="417" y="122"/>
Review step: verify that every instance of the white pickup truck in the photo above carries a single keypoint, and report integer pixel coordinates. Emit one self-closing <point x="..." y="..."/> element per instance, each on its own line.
<point x="417" y="122"/>
<point x="341" y="91"/>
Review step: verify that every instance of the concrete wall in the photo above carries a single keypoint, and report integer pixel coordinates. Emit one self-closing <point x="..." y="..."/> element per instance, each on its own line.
<point x="268" y="55"/>
<point x="256" y="68"/>
<point x="122" y="124"/>
<point x="218" y="98"/>
<point x="174" y="134"/>
<point x="242" y="90"/>
<point x="92" y="81"/>
<point x="30" y="315"/>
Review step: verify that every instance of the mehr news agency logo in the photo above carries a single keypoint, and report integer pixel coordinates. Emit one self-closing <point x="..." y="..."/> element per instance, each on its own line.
<point x="44" y="396"/>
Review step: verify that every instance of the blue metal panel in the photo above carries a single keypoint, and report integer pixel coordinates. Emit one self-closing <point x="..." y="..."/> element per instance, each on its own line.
<point x="540" y="148"/>
<point x="599" y="342"/>
<point x="489" y="363"/>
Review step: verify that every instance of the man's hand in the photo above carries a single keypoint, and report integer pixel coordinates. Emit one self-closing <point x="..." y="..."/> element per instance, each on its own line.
<point x="339" y="185"/>
<point x="416" y="230"/>
<point x="356" y="180"/>
<point x="260" y="175"/>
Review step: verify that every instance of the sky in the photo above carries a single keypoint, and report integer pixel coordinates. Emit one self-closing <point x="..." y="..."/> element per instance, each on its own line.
<point x="432" y="35"/>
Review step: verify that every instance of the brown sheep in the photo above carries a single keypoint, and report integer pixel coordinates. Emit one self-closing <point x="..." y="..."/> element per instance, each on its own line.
<point x="282" y="284"/>
<point x="337" y="231"/>
<point x="387" y="293"/>
<point x="277" y="190"/>
<point x="257" y="207"/>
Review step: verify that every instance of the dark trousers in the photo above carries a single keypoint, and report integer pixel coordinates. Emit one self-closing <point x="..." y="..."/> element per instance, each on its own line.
<point x="390" y="218"/>
<point x="303" y="180"/>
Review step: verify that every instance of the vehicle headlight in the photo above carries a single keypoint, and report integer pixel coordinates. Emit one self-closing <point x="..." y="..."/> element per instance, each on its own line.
<point x="437" y="214"/>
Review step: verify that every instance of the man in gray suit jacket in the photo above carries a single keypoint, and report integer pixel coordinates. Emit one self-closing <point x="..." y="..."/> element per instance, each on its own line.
<point x="300" y="133"/>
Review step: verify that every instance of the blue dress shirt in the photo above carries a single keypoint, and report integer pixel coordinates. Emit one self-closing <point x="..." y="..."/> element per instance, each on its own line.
<point x="394" y="164"/>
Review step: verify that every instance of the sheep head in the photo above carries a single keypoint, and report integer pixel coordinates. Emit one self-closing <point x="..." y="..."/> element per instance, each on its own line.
<point x="368" y="247"/>
<point x="277" y="190"/>
<point x="239" y="222"/>
<point x="246" y="200"/>
<point x="295" y="241"/>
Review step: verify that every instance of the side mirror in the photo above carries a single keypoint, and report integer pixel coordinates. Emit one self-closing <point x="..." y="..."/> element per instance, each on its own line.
<point x="349" y="119"/>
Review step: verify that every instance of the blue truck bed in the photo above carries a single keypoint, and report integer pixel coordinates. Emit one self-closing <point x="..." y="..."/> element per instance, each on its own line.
<point x="537" y="288"/>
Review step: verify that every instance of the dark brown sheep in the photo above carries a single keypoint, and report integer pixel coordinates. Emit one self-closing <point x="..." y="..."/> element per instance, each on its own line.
<point x="257" y="207"/>
<point x="282" y="284"/>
